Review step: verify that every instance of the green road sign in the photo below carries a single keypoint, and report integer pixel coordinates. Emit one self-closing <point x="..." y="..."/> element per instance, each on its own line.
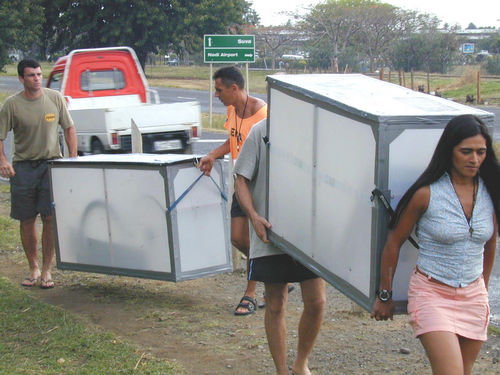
<point x="229" y="48"/>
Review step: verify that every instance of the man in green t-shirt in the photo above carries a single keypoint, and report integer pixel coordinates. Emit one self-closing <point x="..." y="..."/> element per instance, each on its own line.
<point x="34" y="116"/>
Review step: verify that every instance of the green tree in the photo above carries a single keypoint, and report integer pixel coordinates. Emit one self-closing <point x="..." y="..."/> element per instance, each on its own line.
<point x="356" y="30"/>
<point x="53" y="30"/>
<point x="320" y="55"/>
<point x="358" y="33"/>
<point x="145" y="25"/>
<point x="274" y="39"/>
<point x="490" y="44"/>
<point x="336" y="24"/>
<point x="20" y="26"/>
<point x="251" y="17"/>
<point x="191" y="19"/>
<point x="430" y="49"/>
<point x="493" y="64"/>
<point x="140" y="24"/>
<point x="382" y="26"/>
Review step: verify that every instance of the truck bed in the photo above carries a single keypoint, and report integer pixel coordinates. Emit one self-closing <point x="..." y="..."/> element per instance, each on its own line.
<point x="150" y="118"/>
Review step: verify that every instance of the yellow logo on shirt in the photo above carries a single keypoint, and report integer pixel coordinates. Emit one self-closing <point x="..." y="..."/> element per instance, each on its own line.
<point x="50" y="117"/>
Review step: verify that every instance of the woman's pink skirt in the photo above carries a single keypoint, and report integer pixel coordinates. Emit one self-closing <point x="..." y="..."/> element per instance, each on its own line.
<point x="437" y="307"/>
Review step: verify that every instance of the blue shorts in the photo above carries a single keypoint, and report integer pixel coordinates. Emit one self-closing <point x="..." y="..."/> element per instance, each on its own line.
<point x="278" y="269"/>
<point x="30" y="190"/>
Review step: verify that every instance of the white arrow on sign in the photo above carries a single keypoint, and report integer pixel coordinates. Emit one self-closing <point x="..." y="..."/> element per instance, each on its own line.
<point x="210" y="42"/>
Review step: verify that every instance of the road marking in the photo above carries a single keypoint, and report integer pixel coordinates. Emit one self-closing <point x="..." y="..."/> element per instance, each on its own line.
<point x="185" y="97"/>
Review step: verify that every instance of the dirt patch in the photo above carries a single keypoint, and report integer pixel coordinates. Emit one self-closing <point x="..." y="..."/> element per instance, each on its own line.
<point x="192" y="323"/>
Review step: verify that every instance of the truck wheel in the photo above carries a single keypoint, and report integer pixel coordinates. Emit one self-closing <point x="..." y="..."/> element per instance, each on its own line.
<point x="96" y="147"/>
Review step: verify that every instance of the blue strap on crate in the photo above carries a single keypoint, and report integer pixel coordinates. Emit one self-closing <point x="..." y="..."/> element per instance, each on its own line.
<point x="176" y="202"/>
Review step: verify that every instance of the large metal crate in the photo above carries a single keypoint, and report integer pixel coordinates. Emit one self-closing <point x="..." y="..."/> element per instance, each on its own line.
<point x="138" y="215"/>
<point x="334" y="138"/>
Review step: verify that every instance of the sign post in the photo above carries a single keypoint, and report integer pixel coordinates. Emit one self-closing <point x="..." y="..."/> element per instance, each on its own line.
<point x="228" y="49"/>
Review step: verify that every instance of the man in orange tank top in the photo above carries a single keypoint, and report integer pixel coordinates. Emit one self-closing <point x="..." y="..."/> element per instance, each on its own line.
<point x="243" y="111"/>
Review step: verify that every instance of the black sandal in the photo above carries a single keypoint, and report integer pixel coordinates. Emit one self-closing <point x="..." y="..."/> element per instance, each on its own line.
<point x="251" y="306"/>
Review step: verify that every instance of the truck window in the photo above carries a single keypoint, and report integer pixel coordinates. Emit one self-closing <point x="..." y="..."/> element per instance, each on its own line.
<point x="102" y="80"/>
<point x="55" y="81"/>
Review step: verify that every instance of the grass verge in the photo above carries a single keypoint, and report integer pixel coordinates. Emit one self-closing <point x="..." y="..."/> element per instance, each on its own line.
<point x="218" y="121"/>
<point x="455" y="86"/>
<point x="198" y="77"/>
<point x="10" y="233"/>
<point x="9" y="228"/>
<point x="38" y="338"/>
<point x="494" y="330"/>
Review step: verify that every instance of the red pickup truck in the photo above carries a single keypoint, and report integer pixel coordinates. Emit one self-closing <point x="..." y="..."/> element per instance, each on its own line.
<point x="106" y="89"/>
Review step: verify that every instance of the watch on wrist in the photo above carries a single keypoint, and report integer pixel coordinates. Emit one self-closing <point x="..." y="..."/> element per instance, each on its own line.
<point x="384" y="295"/>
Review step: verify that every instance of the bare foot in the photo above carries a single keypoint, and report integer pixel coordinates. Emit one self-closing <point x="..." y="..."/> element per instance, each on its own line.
<point x="301" y="370"/>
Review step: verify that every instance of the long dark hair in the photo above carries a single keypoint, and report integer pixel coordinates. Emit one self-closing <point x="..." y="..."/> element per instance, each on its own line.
<point x="458" y="129"/>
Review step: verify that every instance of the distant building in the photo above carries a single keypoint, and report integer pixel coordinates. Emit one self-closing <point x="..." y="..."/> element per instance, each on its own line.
<point x="292" y="57"/>
<point x="476" y="34"/>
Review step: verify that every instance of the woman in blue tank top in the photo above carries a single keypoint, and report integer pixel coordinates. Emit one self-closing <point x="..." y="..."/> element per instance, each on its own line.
<point x="453" y="205"/>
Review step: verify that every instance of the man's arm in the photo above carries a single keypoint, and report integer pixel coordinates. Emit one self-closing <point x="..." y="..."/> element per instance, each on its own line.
<point x="207" y="162"/>
<point x="245" y="199"/>
<point x="6" y="169"/>
<point x="70" y="139"/>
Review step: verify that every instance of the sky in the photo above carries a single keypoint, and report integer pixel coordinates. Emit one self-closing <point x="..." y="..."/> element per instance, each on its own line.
<point x="479" y="12"/>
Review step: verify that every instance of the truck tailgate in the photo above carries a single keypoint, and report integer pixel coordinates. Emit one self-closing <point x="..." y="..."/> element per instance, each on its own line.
<point x="152" y="118"/>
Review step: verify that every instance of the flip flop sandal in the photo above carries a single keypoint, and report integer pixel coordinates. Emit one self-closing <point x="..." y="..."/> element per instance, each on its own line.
<point x="46" y="284"/>
<point x="27" y="282"/>
<point x="262" y="302"/>
<point x="251" y="306"/>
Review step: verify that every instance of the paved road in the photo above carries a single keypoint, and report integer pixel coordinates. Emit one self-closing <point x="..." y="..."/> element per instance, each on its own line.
<point x="167" y="95"/>
<point x="12" y="84"/>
